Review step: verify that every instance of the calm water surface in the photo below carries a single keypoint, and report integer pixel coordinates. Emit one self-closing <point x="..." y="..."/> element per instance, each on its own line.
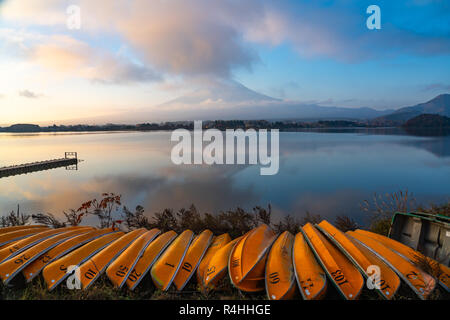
<point x="329" y="173"/>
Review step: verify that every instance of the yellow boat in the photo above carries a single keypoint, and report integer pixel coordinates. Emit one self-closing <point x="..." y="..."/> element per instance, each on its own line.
<point x="340" y="270"/>
<point x="363" y="259"/>
<point x="16" y="228"/>
<point x="218" y="265"/>
<point x="8" y="244"/>
<point x="191" y="260"/>
<point x="22" y="245"/>
<point x="11" y="267"/>
<point x="420" y="282"/>
<point x="280" y="277"/>
<point x="94" y="267"/>
<point x="311" y="278"/>
<point x="56" y="272"/>
<point x="411" y="254"/>
<point x="248" y="258"/>
<point x="217" y="243"/>
<point x="235" y="269"/>
<point x="151" y="254"/>
<point x="166" y="267"/>
<point x="34" y="268"/>
<point x="119" y="270"/>
<point x="9" y="237"/>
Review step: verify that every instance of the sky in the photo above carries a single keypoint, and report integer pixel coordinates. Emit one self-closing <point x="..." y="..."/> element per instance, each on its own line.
<point x="149" y="58"/>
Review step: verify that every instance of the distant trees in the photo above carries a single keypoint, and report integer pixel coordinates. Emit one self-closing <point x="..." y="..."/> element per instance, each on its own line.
<point x="428" y="121"/>
<point x="288" y="125"/>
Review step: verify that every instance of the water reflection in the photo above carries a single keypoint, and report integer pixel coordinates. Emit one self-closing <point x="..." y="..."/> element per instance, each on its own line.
<point x="328" y="173"/>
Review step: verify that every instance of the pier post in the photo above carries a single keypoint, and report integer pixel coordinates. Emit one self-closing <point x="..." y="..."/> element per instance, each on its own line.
<point x="69" y="155"/>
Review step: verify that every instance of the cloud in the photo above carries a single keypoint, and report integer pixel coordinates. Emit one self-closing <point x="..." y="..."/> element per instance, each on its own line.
<point x="69" y="56"/>
<point x="190" y="38"/>
<point x="45" y="12"/>
<point x="317" y="30"/>
<point x="215" y="37"/>
<point x="66" y="54"/>
<point x="436" y="87"/>
<point x="29" y="94"/>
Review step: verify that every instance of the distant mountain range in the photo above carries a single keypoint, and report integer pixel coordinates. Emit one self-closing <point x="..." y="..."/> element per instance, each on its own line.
<point x="439" y="105"/>
<point x="231" y="100"/>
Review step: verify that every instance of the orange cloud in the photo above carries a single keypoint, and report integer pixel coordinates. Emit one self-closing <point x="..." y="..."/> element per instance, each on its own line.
<point x="68" y="55"/>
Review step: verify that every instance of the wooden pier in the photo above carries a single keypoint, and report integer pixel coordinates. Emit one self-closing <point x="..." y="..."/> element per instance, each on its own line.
<point x="70" y="159"/>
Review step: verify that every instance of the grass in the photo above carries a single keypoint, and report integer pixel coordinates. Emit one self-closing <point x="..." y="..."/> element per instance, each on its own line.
<point x="102" y="289"/>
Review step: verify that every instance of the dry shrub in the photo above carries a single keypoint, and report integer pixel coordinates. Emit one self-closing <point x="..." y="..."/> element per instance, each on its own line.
<point x="48" y="219"/>
<point x="235" y="222"/>
<point x="14" y="219"/>
<point x="443" y="210"/>
<point x="102" y="208"/>
<point x="345" y="223"/>
<point x="311" y="218"/>
<point x="288" y="223"/>
<point x="136" y="219"/>
<point x="165" y="220"/>
<point x="190" y="219"/>
<point x="382" y="208"/>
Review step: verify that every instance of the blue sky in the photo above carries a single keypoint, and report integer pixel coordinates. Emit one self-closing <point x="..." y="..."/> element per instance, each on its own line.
<point x="398" y="75"/>
<point x="136" y="55"/>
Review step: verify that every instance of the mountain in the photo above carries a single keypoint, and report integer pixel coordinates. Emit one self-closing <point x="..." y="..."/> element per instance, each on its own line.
<point x="231" y="100"/>
<point x="428" y="121"/>
<point x="265" y="111"/>
<point x="220" y="93"/>
<point x="439" y="105"/>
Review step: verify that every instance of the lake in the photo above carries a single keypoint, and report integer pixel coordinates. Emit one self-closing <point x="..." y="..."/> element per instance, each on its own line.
<point x="326" y="172"/>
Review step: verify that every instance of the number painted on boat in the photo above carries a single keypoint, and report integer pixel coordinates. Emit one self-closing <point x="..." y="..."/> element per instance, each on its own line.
<point x="412" y="275"/>
<point x="274" y="277"/>
<point x="235" y="263"/>
<point x="210" y="270"/>
<point x="187" y="267"/>
<point x="122" y="271"/>
<point x="134" y="275"/>
<point x="21" y="259"/>
<point x="45" y="258"/>
<point x="383" y="285"/>
<point x="90" y="274"/>
<point x="339" y="277"/>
